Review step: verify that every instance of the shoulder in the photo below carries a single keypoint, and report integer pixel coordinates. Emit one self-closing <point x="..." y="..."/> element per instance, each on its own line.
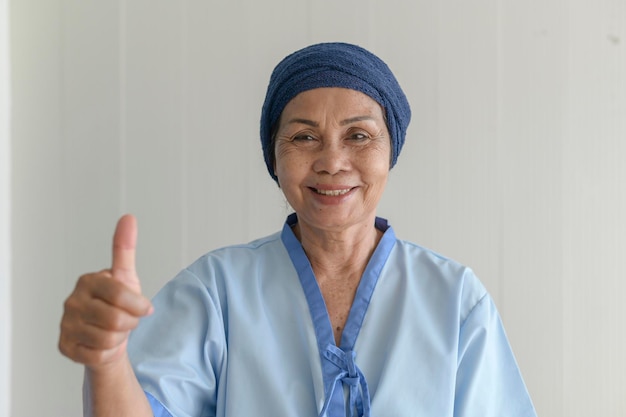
<point x="240" y="255"/>
<point x="411" y="255"/>
<point x="230" y="271"/>
<point x="436" y="274"/>
<point x="239" y="269"/>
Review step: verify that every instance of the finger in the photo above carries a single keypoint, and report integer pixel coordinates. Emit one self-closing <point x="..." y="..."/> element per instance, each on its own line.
<point x="96" y="338"/>
<point x="75" y="333"/>
<point x="104" y="316"/>
<point x="94" y="329"/>
<point x="89" y="356"/>
<point x="107" y="295"/>
<point x="124" y="244"/>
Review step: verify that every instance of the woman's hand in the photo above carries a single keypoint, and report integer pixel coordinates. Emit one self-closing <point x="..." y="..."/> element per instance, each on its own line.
<point x="105" y="306"/>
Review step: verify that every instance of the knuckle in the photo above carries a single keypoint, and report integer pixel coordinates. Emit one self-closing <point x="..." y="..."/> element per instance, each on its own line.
<point x="62" y="348"/>
<point x="83" y="281"/>
<point x="67" y="332"/>
<point x="70" y="304"/>
<point x="64" y="327"/>
<point x="87" y="280"/>
<point x="69" y="350"/>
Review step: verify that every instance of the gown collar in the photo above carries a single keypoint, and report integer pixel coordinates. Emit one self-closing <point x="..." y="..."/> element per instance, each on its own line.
<point x="338" y="362"/>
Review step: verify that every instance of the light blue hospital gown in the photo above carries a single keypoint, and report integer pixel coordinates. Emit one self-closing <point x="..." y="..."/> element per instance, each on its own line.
<point x="244" y="331"/>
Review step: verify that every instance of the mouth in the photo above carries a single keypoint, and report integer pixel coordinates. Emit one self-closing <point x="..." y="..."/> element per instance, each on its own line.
<point x="333" y="193"/>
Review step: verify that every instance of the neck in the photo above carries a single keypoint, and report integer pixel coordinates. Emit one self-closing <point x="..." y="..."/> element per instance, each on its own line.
<point x="336" y="254"/>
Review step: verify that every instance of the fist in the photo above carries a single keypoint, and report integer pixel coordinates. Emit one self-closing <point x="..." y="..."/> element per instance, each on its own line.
<point x="105" y="306"/>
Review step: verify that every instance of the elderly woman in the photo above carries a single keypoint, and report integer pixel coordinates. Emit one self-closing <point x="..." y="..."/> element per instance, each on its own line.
<point x="332" y="316"/>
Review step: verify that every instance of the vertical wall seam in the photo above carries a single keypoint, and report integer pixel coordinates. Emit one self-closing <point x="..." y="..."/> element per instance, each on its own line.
<point x="122" y="105"/>
<point x="499" y="152"/>
<point x="5" y="212"/>
<point x="564" y="217"/>
<point x="184" y="130"/>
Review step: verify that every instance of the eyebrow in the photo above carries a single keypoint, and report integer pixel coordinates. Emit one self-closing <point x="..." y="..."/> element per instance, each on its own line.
<point x="342" y="123"/>
<point x="303" y="121"/>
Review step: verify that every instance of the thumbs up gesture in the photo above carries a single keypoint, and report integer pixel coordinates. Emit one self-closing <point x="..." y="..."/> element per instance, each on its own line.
<point x="105" y="306"/>
<point x="124" y="243"/>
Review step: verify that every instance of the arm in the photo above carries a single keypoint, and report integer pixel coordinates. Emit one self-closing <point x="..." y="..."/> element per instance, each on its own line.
<point x="114" y="392"/>
<point x="97" y="320"/>
<point x="489" y="383"/>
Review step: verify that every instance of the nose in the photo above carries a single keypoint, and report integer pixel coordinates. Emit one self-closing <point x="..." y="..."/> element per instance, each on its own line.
<point x="331" y="158"/>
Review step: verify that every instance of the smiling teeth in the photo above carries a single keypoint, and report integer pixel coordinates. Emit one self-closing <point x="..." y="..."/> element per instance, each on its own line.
<point x="333" y="192"/>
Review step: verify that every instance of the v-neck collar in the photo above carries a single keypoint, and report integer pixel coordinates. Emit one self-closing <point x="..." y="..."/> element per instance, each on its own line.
<point x="338" y="362"/>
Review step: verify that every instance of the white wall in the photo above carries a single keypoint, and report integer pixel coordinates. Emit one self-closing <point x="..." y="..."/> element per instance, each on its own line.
<point x="513" y="162"/>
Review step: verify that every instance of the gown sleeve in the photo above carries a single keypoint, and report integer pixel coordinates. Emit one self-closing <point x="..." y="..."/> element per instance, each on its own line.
<point x="489" y="383"/>
<point x="178" y="352"/>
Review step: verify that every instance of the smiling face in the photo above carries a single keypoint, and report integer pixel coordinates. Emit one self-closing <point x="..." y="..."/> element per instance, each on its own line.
<point x="332" y="158"/>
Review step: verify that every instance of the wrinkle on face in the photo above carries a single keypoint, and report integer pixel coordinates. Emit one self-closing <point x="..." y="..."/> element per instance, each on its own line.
<point x="331" y="137"/>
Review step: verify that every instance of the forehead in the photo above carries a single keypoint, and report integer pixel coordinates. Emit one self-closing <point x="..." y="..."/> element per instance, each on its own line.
<point x="336" y="101"/>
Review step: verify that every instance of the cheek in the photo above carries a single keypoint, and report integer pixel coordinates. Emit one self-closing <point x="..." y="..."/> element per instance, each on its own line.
<point x="377" y="161"/>
<point x="290" y="164"/>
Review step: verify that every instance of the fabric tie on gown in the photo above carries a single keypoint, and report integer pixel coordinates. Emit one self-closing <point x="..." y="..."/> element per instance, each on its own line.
<point x="351" y="375"/>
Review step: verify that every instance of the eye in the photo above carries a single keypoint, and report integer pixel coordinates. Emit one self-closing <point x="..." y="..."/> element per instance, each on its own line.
<point x="358" y="135"/>
<point x="303" y="137"/>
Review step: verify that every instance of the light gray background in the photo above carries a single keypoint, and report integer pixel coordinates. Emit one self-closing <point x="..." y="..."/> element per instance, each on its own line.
<point x="514" y="162"/>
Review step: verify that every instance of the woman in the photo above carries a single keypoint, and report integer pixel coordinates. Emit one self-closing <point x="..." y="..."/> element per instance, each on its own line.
<point x="333" y="316"/>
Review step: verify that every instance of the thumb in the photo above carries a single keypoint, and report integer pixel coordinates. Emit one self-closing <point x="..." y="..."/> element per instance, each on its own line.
<point x="124" y="243"/>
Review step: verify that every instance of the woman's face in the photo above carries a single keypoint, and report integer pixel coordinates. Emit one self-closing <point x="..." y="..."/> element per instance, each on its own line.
<point x="332" y="157"/>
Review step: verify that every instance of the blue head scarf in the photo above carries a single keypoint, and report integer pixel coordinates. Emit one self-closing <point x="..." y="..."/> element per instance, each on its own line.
<point x="334" y="65"/>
